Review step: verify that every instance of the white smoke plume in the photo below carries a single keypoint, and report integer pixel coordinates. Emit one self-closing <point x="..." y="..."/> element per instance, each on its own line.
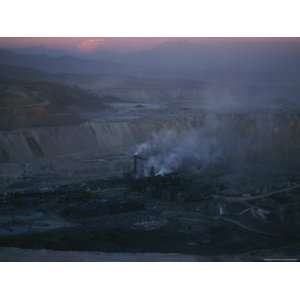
<point x="169" y="151"/>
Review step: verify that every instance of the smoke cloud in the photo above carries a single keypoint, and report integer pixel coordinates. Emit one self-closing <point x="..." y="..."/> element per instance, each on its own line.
<point x="168" y="151"/>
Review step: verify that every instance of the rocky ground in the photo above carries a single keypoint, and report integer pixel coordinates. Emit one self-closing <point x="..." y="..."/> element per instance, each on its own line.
<point x="129" y="219"/>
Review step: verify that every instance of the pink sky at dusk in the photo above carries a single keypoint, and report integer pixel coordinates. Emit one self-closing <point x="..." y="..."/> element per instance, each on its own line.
<point x="85" y="45"/>
<point x="89" y="45"/>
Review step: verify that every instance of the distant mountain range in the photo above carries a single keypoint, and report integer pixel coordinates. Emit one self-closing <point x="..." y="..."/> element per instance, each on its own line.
<point x="22" y="73"/>
<point x="212" y="59"/>
<point x="57" y="64"/>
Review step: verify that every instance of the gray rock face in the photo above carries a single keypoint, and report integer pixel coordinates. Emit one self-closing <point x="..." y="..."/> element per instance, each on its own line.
<point x="242" y="137"/>
<point x="253" y="131"/>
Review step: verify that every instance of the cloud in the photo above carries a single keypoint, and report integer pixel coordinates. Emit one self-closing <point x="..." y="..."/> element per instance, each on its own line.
<point x="90" y="45"/>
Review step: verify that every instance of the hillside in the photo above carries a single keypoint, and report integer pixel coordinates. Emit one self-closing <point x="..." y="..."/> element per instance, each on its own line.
<point x="29" y="104"/>
<point x="58" y="64"/>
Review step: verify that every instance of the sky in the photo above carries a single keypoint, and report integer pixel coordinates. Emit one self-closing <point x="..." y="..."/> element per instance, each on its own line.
<point x="84" y="45"/>
<point x="88" y="45"/>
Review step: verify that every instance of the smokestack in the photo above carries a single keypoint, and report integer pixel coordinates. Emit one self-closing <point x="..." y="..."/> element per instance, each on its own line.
<point x="135" y="159"/>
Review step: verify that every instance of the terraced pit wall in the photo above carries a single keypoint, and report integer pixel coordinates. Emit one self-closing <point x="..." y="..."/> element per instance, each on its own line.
<point x="273" y="137"/>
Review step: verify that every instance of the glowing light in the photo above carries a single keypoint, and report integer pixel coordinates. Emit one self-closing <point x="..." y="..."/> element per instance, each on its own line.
<point x="90" y="45"/>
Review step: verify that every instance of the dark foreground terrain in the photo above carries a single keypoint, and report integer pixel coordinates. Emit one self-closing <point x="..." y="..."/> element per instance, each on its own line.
<point x="179" y="217"/>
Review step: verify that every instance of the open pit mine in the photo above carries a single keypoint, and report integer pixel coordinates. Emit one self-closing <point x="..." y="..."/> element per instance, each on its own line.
<point x="189" y="151"/>
<point x="204" y="186"/>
